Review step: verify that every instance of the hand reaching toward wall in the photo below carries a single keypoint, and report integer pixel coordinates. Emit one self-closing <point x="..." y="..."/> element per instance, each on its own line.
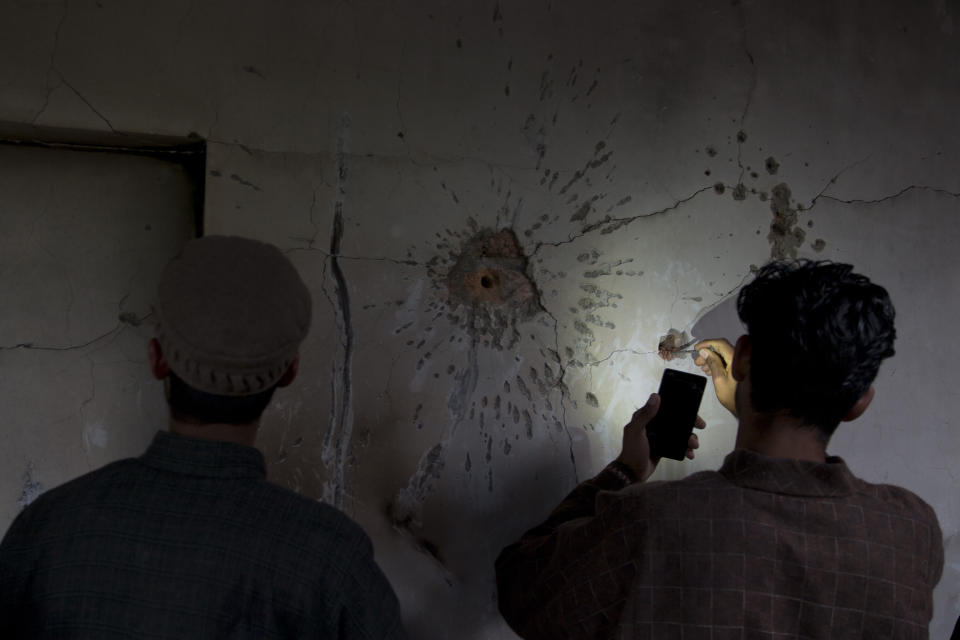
<point x="715" y="358"/>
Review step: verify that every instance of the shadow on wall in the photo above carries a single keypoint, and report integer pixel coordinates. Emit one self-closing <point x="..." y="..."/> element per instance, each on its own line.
<point x="472" y="542"/>
<point x="720" y="322"/>
<point x="951" y="575"/>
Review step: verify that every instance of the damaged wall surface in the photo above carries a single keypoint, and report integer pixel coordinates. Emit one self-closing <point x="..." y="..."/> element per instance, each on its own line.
<point x="85" y="235"/>
<point x="501" y="209"/>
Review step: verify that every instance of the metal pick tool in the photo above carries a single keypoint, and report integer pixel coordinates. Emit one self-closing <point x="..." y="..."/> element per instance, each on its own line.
<point x="696" y="352"/>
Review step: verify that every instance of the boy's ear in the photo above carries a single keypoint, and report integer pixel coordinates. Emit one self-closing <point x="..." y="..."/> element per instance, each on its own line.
<point x="860" y="406"/>
<point x="291" y="373"/>
<point x="741" y="358"/>
<point x="158" y="363"/>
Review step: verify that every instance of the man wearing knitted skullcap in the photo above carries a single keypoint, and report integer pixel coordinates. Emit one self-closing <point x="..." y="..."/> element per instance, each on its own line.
<point x="189" y="540"/>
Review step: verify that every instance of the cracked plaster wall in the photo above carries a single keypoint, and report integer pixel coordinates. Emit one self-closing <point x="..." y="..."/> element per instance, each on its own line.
<point x="644" y="155"/>
<point x="84" y="238"/>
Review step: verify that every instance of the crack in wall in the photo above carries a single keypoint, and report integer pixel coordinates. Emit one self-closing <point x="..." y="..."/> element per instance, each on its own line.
<point x="316" y="231"/>
<point x="241" y="180"/>
<point x="337" y="439"/>
<point x="85" y="101"/>
<point x="833" y="180"/>
<point x="609" y="224"/>
<point x="905" y="190"/>
<point x="561" y="384"/>
<point x="123" y="318"/>
<point x="741" y="133"/>
<point x="326" y="294"/>
<point x="126" y="318"/>
<point x="594" y="363"/>
<point x="51" y="68"/>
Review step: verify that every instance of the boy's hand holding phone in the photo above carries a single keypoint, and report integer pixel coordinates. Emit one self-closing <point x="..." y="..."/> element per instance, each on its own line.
<point x="635" y="453"/>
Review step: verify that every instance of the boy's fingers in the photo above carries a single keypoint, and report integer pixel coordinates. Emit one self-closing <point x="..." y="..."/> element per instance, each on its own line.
<point x="720" y="347"/>
<point x="644" y="414"/>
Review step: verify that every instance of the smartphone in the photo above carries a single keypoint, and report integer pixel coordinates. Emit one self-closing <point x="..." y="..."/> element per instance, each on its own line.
<point x="669" y="431"/>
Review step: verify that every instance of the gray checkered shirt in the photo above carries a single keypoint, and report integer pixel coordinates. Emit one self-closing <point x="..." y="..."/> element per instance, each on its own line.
<point x="189" y="541"/>
<point x="766" y="548"/>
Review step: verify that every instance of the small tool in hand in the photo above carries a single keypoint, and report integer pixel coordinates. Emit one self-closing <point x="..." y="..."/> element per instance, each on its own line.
<point x="696" y="352"/>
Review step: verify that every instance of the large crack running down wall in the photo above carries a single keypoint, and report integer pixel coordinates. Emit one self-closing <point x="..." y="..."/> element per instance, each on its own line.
<point x="337" y="439"/>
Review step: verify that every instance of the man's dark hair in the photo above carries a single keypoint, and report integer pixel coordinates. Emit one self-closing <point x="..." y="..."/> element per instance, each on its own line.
<point x="199" y="406"/>
<point x="818" y="332"/>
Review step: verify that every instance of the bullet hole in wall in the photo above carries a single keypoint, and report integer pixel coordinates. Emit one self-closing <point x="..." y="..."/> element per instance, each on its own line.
<point x="672" y="342"/>
<point x="489" y="277"/>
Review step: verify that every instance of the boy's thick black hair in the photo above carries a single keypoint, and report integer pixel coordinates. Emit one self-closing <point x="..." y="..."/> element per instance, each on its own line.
<point x="818" y="332"/>
<point x="187" y="403"/>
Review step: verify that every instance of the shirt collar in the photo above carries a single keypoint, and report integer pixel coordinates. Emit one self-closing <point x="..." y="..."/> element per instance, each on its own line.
<point x="210" y="458"/>
<point x="785" y="476"/>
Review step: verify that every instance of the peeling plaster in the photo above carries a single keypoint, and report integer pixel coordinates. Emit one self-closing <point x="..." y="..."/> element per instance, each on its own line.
<point x="95" y="434"/>
<point x="32" y="488"/>
<point x="785" y="235"/>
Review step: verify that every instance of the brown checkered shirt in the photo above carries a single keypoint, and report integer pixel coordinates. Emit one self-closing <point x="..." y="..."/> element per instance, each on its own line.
<point x="763" y="548"/>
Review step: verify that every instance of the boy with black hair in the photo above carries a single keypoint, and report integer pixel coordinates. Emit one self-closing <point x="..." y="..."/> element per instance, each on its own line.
<point x="783" y="540"/>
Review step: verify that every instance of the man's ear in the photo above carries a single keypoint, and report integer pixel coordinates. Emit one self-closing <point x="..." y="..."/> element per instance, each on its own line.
<point x="741" y="358"/>
<point x="158" y="363"/>
<point x="860" y="406"/>
<point x="291" y="373"/>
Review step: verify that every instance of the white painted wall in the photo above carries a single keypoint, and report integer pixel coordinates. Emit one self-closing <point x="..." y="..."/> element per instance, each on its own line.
<point x="417" y="120"/>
